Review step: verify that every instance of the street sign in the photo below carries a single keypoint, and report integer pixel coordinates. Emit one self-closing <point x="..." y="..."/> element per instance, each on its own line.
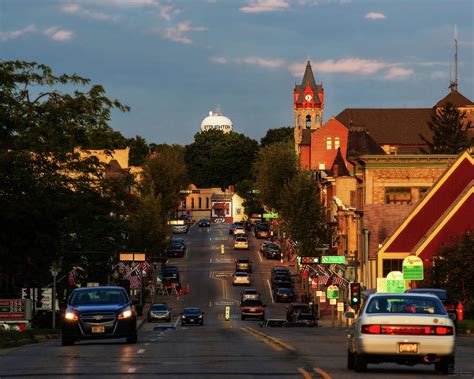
<point x="333" y="301"/>
<point x="307" y="260"/>
<point x="270" y="215"/>
<point x="322" y="299"/>
<point x="395" y="282"/>
<point x="137" y="257"/>
<point x="333" y="292"/>
<point x="15" y="309"/>
<point x="227" y="313"/>
<point x="340" y="307"/>
<point x="331" y="259"/>
<point x="319" y="293"/>
<point x="314" y="283"/>
<point x="412" y="267"/>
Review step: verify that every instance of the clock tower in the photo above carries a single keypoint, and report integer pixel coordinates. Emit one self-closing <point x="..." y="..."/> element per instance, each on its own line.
<point x="308" y="104"/>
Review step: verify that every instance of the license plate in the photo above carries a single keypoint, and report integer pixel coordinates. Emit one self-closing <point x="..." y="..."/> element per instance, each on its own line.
<point x="98" y="329"/>
<point x="191" y="320"/>
<point x="408" y="348"/>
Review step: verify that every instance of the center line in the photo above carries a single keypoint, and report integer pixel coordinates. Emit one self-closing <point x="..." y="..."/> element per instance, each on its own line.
<point x="270" y="289"/>
<point x="306" y="374"/>
<point x="140" y="351"/>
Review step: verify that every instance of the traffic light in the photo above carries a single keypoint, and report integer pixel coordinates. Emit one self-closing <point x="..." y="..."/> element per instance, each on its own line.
<point x="27" y="293"/>
<point x="355" y="294"/>
<point x="39" y="298"/>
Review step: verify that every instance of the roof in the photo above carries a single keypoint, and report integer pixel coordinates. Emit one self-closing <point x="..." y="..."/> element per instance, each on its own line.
<point x="361" y="143"/>
<point x="340" y="165"/>
<point x="455" y="98"/>
<point x="308" y="77"/>
<point x="390" y="125"/>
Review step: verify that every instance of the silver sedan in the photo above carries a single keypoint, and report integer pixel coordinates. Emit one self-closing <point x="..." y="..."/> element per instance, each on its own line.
<point x="402" y="328"/>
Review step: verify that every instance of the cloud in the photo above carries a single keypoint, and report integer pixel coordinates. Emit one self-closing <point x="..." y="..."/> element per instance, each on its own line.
<point x="126" y="3"/>
<point x="177" y="33"/>
<point x="260" y="6"/>
<point x="57" y="34"/>
<point x="375" y="16"/>
<point x="398" y="73"/>
<point x="220" y="60"/>
<point x="319" y="2"/>
<point x="5" y="36"/>
<point x="167" y="11"/>
<point x="79" y="10"/>
<point x="262" y="62"/>
<point x="439" y="74"/>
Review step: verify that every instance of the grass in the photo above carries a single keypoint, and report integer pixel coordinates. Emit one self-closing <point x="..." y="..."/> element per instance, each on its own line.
<point x="466" y="324"/>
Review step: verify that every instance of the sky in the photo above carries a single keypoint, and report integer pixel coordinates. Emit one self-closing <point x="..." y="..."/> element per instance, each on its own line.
<point x="174" y="61"/>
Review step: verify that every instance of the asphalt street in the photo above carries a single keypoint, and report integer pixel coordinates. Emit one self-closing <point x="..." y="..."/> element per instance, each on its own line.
<point x="220" y="348"/>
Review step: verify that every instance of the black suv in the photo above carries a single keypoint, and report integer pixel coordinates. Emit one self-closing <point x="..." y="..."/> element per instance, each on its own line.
<point x="98" y="313"/>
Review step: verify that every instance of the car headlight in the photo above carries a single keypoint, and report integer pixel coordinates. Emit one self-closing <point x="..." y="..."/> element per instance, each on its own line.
<point x="183" y="316"/>
<point x="200" y="316"/>
<point x="125" y="314"/>
<point x="70" y="316"/>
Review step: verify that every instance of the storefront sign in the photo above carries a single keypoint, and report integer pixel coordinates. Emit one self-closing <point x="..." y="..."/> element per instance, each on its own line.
<point x="413" y="268"/>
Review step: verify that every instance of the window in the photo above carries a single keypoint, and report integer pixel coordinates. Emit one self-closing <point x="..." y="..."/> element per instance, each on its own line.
<point x="299" y="121"/>
<point x="192" y="203"/>
<point x="397" y="195"/>
<point x="328" y="143"/>
<point x="391" y="265"/>
<point x="207" y="203"/>
<point x="308" y="122"/>
<point x="422" y="191"/>
<point x="322" y="166"/>
<point x="183" y="205"/>
<point x="337" y="143"/>
<point x="227" y="211"/>
<point x="199" y="203"/>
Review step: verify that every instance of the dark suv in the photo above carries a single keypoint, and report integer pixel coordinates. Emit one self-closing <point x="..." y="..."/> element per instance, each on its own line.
<point x="98" y="313"/>
<point x="442" y="295"/>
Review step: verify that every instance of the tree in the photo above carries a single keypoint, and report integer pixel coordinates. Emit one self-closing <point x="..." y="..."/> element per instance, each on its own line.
<point x="218" y="159"/>
<point x="275" y="165"/>
<point x="303" y="214"/>
<point x="450" y="129"/>
<point x="139" y="150"/>
<point x="247" y="190"/>
<point x="284" y="134"/>
<point x="453" y="269"/>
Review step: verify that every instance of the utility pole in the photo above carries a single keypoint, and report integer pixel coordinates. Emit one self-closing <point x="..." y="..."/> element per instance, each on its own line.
<point x="54" y="271"/>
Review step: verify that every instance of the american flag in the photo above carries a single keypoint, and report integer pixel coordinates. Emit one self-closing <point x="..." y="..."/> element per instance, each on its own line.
<point x="135" y="279"/>
<point x="337" y="280"/>
<point x="73" y="276"/>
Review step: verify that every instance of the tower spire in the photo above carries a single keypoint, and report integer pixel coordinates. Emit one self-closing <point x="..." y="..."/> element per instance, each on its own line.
<point x="454" y="84"/>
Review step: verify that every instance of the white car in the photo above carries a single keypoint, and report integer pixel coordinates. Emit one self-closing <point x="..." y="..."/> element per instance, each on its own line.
<point x="180" y="229"/>
<point x="239" y="231"/>
<point x="402" y="328"/>
<point x="241" y="278"/>
<point x="241" y="243"/>
<point x="249" y="294"/>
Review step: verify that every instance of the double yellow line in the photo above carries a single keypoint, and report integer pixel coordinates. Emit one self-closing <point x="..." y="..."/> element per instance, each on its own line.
<point x="308" y="375"/>
<point x="273" y="342"/>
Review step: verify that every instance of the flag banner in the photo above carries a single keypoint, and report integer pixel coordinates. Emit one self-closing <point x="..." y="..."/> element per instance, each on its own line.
<point x="135" y="279"/>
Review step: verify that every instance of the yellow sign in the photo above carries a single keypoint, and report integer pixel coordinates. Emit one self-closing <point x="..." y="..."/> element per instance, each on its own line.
<point x="227" y="312"/>
<point x="137" y="257"/>
<point x="333" y="301"/>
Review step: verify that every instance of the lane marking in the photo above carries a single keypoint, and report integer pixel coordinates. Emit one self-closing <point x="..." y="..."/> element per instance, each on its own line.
<point x="187" y="251"/>
<point x="176" y="322"/>
<point x="264" y="340"/>
<point x="275" y="340"/>
<point x="322" y="372"/>
<point x="152" y="339"/>
<point x="270" y="289"/>
<point x="131" y="370"/>
<point x="141" y="351"/>
<point x="306" y="374"/>
<point x="210" y="303"/>
<point x="146" y="344"/>
<point x="260" y="256"/>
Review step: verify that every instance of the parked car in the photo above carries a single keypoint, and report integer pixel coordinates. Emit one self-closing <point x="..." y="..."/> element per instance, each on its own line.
<point x="241" y="243"/>
<point x="282" y="294"/>
<point x="243" y="265"/>
<point x="443" y="296"/>
<point x="241" y="278"/>
<point x="249" y="294"/>
<point x="232" y="228"/>
<point x="404" y="328"/>
<point x="192" y="316"/>
<point x="176" y="250"/>
<point x="239" y="231"/>
<point x="177" y="229"/>
<point x="272" y="253"/>
<point x="305" y="319"/>
<point x="252" y="308"/>
<point x="159" y="312"/>
<point x="98" y="313"/>
<point x="295" y="308"/>
<point x="280" y="270"/>
<point x="204" y="223"/>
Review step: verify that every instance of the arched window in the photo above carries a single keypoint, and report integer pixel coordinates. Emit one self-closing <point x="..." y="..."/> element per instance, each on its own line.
<point x="328" y="143"/>
<point x="200" y="203"/>
<point x="299" y="121"/>
<point x="317" y="119"/>
<point x="192" y="203"/>
<point x="308" y="122"/>
<point x="337" y="143"/>
<point x="207" y="203"/>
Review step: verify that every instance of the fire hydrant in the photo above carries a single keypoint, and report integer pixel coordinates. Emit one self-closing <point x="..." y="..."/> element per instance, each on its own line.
<point x="460" y="311"/>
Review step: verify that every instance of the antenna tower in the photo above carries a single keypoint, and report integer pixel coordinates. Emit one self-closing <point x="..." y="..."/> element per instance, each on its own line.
<point x="454" y="84"/>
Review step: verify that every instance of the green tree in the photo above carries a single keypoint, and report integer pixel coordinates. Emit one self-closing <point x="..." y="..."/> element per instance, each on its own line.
<point x="218" y="159"/>
<point x="275" y="165"/>
<point x="283" y="134"/>
<point x="450" y="128"/>
<point x="53" y="201"/>
<point x="139" y="150"/>
<point x="247" y="190"/>
<point x="453" y="270"/>
<point x="303" y="214"/>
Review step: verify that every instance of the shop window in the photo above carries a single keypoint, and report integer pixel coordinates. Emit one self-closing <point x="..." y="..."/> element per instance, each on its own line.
<point x="337" y="143"/>
<point x="207" y="203"/>
<point x="199" y="203"/>
<point x="192" y="203"/>
<point x="308" y="122"/>
<point x="391" y="265"/>
<point x="397" y="195"/>
<point x="322" y="166"/>
<point x="328" y="143"/>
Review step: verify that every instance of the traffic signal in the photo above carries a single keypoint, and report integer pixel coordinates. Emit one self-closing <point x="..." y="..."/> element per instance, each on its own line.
<point x="27" y="293"/>
<point x="39" y="297"/>
<point x="355" y="294"/>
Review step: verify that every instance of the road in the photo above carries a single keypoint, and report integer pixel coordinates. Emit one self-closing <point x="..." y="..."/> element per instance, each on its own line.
<point x="220" y="348"/>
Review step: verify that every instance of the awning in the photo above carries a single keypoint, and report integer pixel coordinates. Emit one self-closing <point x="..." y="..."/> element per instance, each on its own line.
<point x="220" y="206"/>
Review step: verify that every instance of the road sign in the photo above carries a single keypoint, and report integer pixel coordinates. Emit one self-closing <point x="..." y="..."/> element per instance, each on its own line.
<point x="227" y="313"/>
<point x="319" y="293"/>
<point x="331" y="259"/>
<point x="270" y="215"/>
<point x="395" y="282"/>
<point x="333" y="301"/>
<point x="322" y="299"/>
<point x="314" y="283"/>
<point x="307" y="260"/>
<point x="333" y="292"/>
<point x="340" y="307"/>
<point x="412" y="268"/>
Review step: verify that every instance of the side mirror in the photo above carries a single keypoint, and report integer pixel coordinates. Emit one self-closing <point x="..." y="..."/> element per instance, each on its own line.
<point x="349" y="315"/>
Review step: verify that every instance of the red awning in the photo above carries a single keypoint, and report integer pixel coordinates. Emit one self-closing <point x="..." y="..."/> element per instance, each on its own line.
<point x="220" y="206"/>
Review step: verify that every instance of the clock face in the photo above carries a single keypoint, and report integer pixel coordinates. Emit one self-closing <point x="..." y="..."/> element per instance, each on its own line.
<point x="308" y="97"/>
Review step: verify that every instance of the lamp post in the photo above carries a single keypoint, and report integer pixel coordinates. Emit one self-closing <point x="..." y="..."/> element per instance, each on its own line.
<point x="54" y="270"/>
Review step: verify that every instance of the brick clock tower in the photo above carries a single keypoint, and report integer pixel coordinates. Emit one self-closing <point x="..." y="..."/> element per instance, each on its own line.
<point x="308" y="103"/>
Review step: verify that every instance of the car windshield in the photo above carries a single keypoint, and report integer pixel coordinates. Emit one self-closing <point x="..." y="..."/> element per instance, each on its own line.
<point x="405" y="304"/>
<point x="192" y="311"/>
<point x="284" y="290"/>
<point x="241" y="274"/>
<point x="96" y="296"/>
<point x="159" y="307"/>
<point x="241" y="239"/>
<point x="252" y="303"/>
<point x="176" y="246"/>
<point x="250" y="292"/>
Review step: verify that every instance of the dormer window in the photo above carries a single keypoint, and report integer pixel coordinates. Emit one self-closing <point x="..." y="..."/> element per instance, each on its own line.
<point x="308" y="122"/>
<point x="328" y="143"/>
<point x="337" y="143"/>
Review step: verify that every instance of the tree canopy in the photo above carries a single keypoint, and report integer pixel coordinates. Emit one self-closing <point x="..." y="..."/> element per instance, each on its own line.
<point x="283" y="134"/>
<point x="450" y="129"/>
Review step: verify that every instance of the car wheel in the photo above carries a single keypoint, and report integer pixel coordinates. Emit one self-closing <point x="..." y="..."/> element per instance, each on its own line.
<point x="350" y="360"/>
<point x="360" y="363"/>
<point x="67" y="341"/>
<point x="444" y="366"/>
<point x="132" y="338"/>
